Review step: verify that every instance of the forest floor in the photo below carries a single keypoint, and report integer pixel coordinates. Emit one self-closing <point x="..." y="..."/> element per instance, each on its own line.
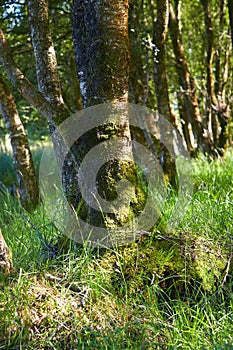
<point x="74" y="301"/>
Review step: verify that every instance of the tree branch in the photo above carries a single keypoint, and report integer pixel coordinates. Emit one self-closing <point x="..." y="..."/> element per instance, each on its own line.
<point x="45" y="56"/>
<point x="18" y="79"/>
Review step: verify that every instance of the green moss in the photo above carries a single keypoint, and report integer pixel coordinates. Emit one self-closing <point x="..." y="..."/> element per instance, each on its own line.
<point x="171" y="262"/>
<point x="117" y="180"/>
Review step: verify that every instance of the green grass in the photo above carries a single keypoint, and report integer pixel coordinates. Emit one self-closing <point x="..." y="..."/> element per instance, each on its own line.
<point x="116" y="305"/>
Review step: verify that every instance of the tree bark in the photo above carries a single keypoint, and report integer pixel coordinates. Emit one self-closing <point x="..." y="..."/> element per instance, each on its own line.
<point x="138" y="81"/>
<point x="211" y="97"/>
<point x="101" y="43"/>
<point x="191" y="114"/>
<point x="217" y="110"/>
<point x="49" y="85"/>
<point x="160" y="28"/>
<point x="19" y="80"/>
<point x="217" y="85"/>
<point x="160" y="67"/>
<point x="75" y="86"/>
<point x="46" y="62"/>
<point x="23" y="164"/>
<point x="6" y="263"/>
<point x="223" y="110"/>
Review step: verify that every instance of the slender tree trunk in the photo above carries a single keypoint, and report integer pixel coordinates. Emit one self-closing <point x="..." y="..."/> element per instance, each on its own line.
<point x="218" y="51"/>
<point x="217" y="110"/>
<point x="221" y="77"/>
<point x="138" y="81"/>
<point x="49" y="86"/>
<point x="211" y="102"/>
<point x="161" y="85"/>
<point x="23" y="164"/>
<point x="190" y="114"/>
<point x="223" y="109"/>
<point x="46" y="62"/>
<point x="160" y="67"/>
<point x="186" y="124"/>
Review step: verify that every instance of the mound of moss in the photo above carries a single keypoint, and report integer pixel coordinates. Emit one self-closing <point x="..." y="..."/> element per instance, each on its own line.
<point x="173" y="262"/>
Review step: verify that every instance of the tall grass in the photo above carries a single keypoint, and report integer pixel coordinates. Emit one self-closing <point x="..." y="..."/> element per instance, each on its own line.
<point x="74" y="301"/>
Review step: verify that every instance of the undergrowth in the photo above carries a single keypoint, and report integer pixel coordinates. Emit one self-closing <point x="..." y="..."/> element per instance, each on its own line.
<point x="127" y="298"/>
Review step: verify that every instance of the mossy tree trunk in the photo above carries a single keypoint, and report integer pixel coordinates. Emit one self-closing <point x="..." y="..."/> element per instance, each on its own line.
<point x="101" y="43"/>
<point x="23" y="164"/>
<point x="102" y="37"/>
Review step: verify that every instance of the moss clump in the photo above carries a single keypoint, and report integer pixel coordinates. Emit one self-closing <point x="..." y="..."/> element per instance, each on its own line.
<point x="117" y="181"/>
<point x="175" y="263"/>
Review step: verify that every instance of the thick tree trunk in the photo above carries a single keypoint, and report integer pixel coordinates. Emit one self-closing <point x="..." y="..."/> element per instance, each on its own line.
<point x="191" y="114"/>
<point x="101" y="43"/>
<point x="103" y="66"/>
<point x="23" y="163"/>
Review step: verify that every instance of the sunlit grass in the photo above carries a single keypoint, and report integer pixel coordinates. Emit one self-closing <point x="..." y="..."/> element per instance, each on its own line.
<point x="85" y="307"/>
